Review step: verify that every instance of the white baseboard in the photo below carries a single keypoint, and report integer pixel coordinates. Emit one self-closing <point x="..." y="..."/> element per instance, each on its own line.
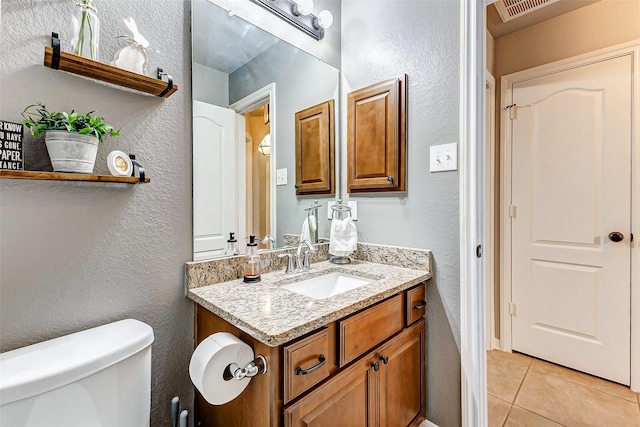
<point x="427" y="423"/>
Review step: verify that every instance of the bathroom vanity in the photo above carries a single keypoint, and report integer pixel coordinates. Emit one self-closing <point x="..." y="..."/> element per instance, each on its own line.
<point x="356" y="358"/>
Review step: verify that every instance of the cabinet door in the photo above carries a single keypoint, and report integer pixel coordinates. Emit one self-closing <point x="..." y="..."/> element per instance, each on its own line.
<point x="348" y="400"/>
<point x="376" y="137"/>
<point x="315" y="168"/>
<point x="402" y="379"/>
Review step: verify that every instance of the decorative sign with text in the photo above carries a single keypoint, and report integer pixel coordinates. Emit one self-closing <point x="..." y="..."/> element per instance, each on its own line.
<point x="11" y="145"/>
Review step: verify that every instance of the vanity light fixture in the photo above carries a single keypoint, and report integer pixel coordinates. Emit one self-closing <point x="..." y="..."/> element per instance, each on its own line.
<point x="302" y="7"/>
<point x="299" y="13"/>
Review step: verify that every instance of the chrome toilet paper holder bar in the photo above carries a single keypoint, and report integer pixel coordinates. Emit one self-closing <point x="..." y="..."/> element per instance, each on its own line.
<point x="251" y="369"/>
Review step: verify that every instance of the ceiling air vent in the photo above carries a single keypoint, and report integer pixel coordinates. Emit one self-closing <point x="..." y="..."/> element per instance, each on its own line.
<point x="511" y="9"/>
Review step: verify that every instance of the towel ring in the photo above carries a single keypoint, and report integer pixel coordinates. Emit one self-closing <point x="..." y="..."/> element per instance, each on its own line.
<point x="339" y="207"/>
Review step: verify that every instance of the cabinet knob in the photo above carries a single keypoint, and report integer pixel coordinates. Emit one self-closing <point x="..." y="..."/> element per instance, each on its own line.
<point x="375" y="366"/>
<point x="390" y="178"/>
<point x="385" y="359"/>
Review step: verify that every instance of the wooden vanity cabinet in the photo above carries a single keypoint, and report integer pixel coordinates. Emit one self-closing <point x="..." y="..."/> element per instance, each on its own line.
<point x="367" y="369"/>
<point x="386" y="388"/>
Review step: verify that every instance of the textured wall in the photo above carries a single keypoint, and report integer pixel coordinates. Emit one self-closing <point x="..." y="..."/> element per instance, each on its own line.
<point x="599" y="25"/>
<point x="78" y="255"/>
<point x="382" y="40"/>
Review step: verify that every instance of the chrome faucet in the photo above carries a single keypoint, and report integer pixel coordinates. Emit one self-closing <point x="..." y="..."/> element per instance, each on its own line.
<point x="304" y="264"/>
<point x="269" y="238"/>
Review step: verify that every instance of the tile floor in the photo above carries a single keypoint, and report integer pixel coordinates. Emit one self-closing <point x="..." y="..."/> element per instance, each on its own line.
<point x="527" y="392"/>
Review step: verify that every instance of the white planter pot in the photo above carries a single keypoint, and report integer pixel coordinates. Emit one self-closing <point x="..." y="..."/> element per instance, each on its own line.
<point x="71" y="151"/>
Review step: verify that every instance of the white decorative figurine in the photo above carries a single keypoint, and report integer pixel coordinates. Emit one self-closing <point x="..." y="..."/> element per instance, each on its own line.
<point x="134" y="56"/>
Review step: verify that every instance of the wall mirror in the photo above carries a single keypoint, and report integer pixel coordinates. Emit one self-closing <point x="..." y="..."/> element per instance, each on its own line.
<point x="247" y="86"/>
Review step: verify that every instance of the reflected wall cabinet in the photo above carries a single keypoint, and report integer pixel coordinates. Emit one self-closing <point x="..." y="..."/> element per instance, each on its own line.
<point x="376" y="148"/>
<point x="315" y="150"/>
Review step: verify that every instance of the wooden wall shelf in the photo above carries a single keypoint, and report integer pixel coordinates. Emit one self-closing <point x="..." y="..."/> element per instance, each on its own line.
<point x="107" y="73"/>
<point x="60" y="176"/>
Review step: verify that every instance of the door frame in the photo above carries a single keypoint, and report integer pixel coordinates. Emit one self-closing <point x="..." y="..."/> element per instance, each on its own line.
<point x="265" y="95"/>
<point x="630" y="48"/>
<point x="473" y="353"/>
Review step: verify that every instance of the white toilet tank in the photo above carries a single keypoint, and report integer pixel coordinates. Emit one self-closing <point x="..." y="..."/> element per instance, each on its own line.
<point x="98" y="377"/>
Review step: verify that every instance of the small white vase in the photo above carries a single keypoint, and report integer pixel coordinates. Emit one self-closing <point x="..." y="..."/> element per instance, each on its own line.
<point x="71" y="151"/>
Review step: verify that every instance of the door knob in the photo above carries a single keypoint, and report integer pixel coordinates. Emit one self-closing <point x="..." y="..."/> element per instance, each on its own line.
<point x="616" y="236"/>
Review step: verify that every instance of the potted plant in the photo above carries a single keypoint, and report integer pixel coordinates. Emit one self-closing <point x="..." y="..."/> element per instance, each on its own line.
<point x="71" y="138"/>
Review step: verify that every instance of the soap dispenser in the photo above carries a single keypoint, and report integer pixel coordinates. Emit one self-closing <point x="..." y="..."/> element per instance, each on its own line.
<point x="232" y="245"/>
<point x="252" y="261"/>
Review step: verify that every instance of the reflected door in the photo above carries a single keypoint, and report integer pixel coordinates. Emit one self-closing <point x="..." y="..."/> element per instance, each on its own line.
<point x="218" y="178"/>
<point x="571" y="172"/>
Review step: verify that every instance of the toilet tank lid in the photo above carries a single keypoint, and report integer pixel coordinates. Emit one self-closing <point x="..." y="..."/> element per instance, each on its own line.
<point x="41" y="367"/>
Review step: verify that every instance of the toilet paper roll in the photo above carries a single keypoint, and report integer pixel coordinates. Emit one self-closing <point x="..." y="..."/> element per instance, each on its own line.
<point x="208" y="364"/>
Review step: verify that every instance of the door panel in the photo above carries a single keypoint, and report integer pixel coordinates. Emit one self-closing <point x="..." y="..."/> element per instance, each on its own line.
<point x="570" y="155"/>
<point x="571" y="174"/>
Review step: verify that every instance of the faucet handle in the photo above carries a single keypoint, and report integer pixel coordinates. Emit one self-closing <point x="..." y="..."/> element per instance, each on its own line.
<point x="289" y="269"/>
<point x="305" y="263"/>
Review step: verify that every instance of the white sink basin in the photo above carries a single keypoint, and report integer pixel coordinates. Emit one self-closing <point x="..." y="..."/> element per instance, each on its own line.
<point x="328" y="285"/>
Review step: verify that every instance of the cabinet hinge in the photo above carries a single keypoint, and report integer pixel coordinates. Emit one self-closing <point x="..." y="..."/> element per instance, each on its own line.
<point x="512" y="308"/>
<point x="479" y="251"/>
<point x="512" y="211"/>
<point x="513" y="111"/>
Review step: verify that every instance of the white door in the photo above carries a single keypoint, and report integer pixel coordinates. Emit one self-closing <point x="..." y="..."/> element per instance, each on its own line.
<point x="218" y="179"/>
<point x="571" y="188"/>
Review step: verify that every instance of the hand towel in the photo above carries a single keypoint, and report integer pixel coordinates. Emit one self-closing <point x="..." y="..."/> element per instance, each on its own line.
<point x="305" y="234"/>
<point x="343" y="239"/>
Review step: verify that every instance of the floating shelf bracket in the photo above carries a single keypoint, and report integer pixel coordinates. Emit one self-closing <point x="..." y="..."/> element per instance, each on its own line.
<point x="138" y="165"/>
<point x="56" y="59"/>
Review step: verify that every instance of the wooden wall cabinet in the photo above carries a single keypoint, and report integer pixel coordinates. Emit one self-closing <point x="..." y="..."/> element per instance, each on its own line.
<point x="315" y="169"/>
<point x="376" y="134"/>
<point x="383" y="384"/>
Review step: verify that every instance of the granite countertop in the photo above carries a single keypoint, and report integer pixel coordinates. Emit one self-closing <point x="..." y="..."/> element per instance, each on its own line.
<point x="275" y="316"/>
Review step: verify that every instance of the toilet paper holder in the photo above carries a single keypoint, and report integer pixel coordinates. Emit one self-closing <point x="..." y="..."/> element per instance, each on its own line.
<point x="251" y="369"/>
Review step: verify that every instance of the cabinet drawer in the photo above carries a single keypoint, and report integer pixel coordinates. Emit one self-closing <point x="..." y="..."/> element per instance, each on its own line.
<point x="363" y="331"/>
<point x="306" y="362"/>
<point x="416" y="304"/>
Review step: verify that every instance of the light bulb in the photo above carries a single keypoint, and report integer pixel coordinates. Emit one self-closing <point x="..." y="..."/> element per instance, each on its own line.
<point x="302" y="7"/>
<point x="324" y="19"/>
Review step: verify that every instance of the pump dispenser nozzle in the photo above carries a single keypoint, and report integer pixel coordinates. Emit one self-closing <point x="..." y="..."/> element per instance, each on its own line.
<point x="232" y="245"/>
<point x="252" y="261"/>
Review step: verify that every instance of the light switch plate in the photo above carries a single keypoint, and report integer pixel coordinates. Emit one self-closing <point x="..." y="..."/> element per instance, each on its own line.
<point x="281" y="176"/>
<point x="352" y="204"/>
<point x="443" y="157"/>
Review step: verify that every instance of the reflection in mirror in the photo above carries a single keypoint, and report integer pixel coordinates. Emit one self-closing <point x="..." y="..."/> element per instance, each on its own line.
<point x="247" y="87"/>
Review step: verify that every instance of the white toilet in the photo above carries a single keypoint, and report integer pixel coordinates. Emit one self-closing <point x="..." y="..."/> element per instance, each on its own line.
<point x="98" y="377"/>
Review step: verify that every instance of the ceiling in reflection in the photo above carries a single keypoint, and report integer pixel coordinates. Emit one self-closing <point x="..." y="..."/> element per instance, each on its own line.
<point x="226" y="44"/>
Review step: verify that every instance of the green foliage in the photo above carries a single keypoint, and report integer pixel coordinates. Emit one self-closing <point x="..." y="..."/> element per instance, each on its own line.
<point x="38" y="119"/>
